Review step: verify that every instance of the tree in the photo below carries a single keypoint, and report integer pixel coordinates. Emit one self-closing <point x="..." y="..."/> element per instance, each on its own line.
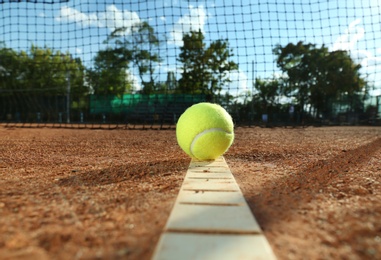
<point x="49" y="71"/>
<point x="267" y="91"/>
<point x="109" y="74"/>
<point x="317" y="76"/>
<point x="140" y="43"/>
<point x="40" y="70"/>
<point x="195" y="76"/>
<point x="205" y="69"/>
<point x="33" y="80"/>
<point x="9" y="68"/>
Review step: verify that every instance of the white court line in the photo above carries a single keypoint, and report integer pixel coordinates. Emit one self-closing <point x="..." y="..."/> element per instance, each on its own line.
<point x="211" y="219"/>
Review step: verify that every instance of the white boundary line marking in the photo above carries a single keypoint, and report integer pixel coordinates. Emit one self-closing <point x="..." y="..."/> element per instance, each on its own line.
<point x="211" y="219"/>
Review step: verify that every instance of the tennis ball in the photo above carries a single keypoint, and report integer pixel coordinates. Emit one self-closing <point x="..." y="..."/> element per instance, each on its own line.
<point x="205" y="131"/>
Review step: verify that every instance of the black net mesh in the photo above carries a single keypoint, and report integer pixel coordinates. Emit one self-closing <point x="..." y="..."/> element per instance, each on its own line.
<point x="142" y="63"/>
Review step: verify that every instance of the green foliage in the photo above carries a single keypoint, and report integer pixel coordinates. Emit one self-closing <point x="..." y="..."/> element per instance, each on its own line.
<point x="9" y="68"/>
<point x="317" y="76"/>
<point x="109" y="75"/>
<point x="139" y="46"/>
<point x="40" y="70"/>
<point x="267" y="92"/>
<point x="39" y="79"/>
<point x="205" y="69"/>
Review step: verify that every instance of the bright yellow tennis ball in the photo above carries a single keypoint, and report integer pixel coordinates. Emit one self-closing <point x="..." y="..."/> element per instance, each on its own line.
<point x="205" y="131"/>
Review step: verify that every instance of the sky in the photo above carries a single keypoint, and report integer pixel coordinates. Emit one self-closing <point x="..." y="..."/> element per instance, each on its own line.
<point x="252" y="27"/>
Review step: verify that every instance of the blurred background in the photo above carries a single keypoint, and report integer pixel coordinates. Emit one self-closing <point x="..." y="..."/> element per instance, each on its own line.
<point x="142" y="63"/>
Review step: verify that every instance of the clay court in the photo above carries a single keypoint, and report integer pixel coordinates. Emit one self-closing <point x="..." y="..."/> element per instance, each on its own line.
<point x="107" y="194"/>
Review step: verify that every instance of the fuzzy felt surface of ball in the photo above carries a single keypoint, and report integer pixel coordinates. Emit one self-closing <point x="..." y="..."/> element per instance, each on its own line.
<point x="205" y="131"/>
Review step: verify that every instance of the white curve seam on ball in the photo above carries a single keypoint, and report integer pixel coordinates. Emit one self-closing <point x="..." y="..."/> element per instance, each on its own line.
<point x="203" y="133"/>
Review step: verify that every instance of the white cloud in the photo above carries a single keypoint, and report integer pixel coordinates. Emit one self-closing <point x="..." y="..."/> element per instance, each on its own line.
<point x="68" y="14"/>
<point x="114" y="18"/>
<point x="348" y="41"/>
<point x="193" y="21"/>
<point x="366" y="58"/>
<point x="111" y="18"/>
<point x="134" y="80"/>
<point x="171" y="3"/>
<point x="239" y="82"/>
<point x="350" y="37"/>
<point x="375" y="92"/>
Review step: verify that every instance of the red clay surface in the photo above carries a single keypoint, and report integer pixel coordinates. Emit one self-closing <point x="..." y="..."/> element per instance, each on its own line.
<point x="107" y="194"/>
